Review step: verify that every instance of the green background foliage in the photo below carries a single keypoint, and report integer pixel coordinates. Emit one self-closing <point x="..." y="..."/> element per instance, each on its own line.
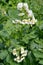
<point x="16" y="35"/>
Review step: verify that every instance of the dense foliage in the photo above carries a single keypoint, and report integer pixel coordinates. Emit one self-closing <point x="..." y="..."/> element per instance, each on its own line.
<point x="16" y="35"/>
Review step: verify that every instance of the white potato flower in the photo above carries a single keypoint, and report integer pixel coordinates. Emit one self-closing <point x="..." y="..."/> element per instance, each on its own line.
<point x="17" y="21"/>
<point x="15" y="59"/>
<point x="27" y="10"/>
<point x="28" y="21"/>
<point x="21" y="14"/>
<point x="34" y="19"/>
<point x="25" y="5"/>
<point x="5" y="12"/>
<point x="32" y="22"/>
<point x="21" y="59"/>
<point x="24" y="20"/>
<point x="14" y="52"/>
<point x="19" y="6"/>
<point x="25" y="53"/>
<point x="22" y="50"/>
<point x="18" y="59"/>
<point x="30" y="13"/>
<point x="13" y="21"/>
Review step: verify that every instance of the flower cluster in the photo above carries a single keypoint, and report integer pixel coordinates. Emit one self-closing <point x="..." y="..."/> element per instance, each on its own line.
<point x="31" y="19"/>
<point x="21" y="56"/>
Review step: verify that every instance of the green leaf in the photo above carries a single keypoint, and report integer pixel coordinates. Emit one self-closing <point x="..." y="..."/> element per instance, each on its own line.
<point x="1" y="26"/>
<point x="40" y="24"/>
<point x="10" y="60"/>
<point x="25" y="38"/>
<point x="12" y="14"/>
<point x="41" y="62"/>
<point x="38" y="54"/>
<point x="1" y="64"/>
<point x="4" y="34"/>
<point x="3" y="54"/>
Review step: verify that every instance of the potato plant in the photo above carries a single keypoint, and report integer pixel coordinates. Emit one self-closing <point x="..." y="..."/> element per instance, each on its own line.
<point x="21" y="37"/>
